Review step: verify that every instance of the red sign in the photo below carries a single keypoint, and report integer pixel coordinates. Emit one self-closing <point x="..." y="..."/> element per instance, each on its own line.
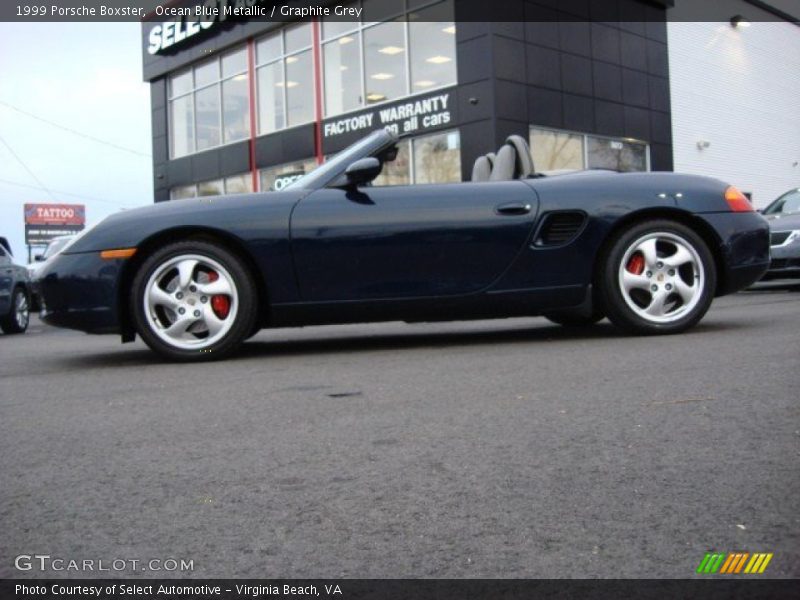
<point x="55" y="214"/>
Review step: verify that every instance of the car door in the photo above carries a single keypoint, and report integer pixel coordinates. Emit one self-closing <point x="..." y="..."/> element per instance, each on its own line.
<point x="408" y="241"/>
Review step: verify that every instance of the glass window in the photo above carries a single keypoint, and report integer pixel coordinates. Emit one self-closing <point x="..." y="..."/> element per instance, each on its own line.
<point x="235" y="184"/>
<point x="286" y="84"/>
<point x="791" y="203"/>
<point x="181" y="126"/>
<point x="207" y="117"/>
<point x="434" y="158"/>
<point x="270" y="98"/>
<point x="617" y="155"/>
<point x="373" y="63"/>
<point x="299" y="88"/>
<point x="398" y="171"/>
<point x="234" y="63"/>
<point x="236" y="109"/>
<point x="276" y="178"/>
<point x="433" y="49"/>
<point x="239" y="184"/>
<point x="182" y="192"/>
<point x="180" y="83"/>
<point x="786" y="204"/>
<point x="268" y="48"/>
<point x="332" y="27"/>
<point x="297" y="37"/>
<point x="437" y="158"/>
<point x="342" y="60"/>
<point x="210" y="188"/>
<point x="209" y="104"/>
<point x="385" y="62"/>
<point x="206" y="73"/>
<point x="555" y="150"/>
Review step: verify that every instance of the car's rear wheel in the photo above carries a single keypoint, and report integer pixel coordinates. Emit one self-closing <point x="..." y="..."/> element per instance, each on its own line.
<point x="194" y="300"/>
<point x="658" y="277"/>
<point x="16" y="321"/>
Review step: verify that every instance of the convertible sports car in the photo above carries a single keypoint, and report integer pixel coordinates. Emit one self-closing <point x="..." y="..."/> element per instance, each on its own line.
<point x="195" y="278"/>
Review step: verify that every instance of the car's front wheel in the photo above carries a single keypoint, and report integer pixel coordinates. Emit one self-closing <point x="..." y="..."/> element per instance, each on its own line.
<point x="16" y="321"/>
<point x="194" y="300"/>
<point x="658" y="277"/>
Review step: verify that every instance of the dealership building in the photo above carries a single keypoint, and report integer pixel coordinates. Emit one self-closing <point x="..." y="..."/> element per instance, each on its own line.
<point x="249" y="105"/>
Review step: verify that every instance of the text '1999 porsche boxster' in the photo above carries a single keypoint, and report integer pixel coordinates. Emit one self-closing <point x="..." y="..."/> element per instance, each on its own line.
<point x="195" y="278"/>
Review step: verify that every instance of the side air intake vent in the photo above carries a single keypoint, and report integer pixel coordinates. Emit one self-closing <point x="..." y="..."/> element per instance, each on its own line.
<point x="559" y="228"/>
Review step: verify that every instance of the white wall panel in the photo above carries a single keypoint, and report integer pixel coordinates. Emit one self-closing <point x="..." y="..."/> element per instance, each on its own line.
<point x="739" y="90"/>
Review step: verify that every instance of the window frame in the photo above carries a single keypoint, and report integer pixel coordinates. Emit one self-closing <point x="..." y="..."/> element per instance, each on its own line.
<point x="412" y="154"/>
<point x="359" y="29"/>
<point x="223" y="178"/>
<point x="585" y="139"/>
<point x="221" y="78"/>
<point x="281" y="58"/>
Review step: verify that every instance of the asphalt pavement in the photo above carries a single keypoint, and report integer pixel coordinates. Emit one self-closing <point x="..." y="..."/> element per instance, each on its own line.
<point x="504" y="449"/>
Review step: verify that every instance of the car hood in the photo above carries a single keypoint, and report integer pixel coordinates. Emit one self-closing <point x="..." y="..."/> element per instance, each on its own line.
<point x="780" y="222"/>
<point x="127" y="228"/>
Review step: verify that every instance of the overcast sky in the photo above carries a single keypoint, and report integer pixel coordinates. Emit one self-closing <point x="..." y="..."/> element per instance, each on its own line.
<point x="86" y="77"/>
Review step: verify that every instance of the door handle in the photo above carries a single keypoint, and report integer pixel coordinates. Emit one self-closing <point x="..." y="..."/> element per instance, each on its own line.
<point x="513" y="208"/>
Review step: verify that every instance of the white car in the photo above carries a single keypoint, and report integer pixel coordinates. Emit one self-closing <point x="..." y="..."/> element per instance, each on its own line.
<point x="56" y="245"/>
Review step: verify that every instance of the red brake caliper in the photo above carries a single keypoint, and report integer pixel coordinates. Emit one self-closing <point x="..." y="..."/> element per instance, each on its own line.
<point x="220" y="303"/>
<point x="635" y="264"/>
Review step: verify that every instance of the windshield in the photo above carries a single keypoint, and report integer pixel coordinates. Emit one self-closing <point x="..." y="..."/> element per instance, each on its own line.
<point x="55" y="246"/>
<point x="328" y="170"/>
<point x="788" y="203"/>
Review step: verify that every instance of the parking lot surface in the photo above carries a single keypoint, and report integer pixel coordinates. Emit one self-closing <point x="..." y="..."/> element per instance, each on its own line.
<point x="510" y="448"/>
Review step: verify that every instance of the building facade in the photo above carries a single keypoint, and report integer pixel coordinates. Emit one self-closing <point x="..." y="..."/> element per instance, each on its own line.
<point x="735" y="86"/>
<point x="239" y="106"/>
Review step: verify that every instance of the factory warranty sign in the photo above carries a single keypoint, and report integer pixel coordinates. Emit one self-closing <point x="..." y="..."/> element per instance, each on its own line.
<point x="43" y="222"/>
<point x="411" y="116"/>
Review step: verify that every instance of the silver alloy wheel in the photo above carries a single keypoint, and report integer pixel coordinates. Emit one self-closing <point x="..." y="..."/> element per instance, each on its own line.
<point x="666" y="282"/>
<point x="178" y="301"/>
<point x="22" y="313"/>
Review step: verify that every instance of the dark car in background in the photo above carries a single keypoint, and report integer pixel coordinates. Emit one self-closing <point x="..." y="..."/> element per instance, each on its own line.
<point x="784" y="224"/>
<point x="14" y="292"/>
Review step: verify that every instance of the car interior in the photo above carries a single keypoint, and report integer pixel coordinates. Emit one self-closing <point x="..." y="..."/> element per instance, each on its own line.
<point x="512" y="161"/>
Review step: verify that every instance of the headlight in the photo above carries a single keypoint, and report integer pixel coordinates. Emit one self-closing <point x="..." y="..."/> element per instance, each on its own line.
<point x="793" y="237"/>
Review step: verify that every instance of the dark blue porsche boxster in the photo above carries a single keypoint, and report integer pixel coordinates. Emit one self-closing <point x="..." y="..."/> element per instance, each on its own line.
<point x="195" y="278"/>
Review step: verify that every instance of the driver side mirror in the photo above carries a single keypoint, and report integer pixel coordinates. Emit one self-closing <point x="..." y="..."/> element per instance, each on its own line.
<point x="363" y="170"/>
<point x="38" y="258"/>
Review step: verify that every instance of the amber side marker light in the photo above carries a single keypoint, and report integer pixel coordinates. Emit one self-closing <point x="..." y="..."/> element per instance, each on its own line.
<point x="737" y="201"/>
<point x="118" y="253"/>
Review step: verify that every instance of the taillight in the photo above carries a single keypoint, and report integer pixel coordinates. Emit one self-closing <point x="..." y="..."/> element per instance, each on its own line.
<point x="737" y="201"/>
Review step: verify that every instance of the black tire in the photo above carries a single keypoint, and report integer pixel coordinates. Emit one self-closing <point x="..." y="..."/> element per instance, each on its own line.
<point x="568" y="318"/>
<point x="630" y="310"/>
<point x="152" y="325"/>
<point x="18" y="317"/>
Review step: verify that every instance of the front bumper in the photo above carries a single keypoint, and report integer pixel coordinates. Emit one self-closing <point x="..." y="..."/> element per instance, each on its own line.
<point x="785" y="263"/>
<point x="80" y="291"/>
